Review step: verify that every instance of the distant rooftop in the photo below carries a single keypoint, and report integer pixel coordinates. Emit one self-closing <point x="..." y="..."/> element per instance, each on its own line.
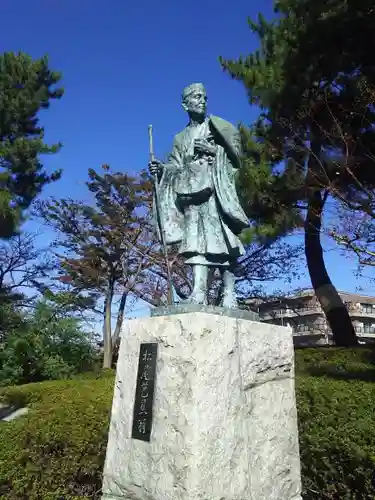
<point x="351" y="297"/>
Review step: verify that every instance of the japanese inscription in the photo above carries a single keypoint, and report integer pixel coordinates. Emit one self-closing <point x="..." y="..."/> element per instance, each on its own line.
<point x="144" y="393"/>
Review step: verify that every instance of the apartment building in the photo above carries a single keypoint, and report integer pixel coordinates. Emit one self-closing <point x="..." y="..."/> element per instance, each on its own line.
<point x="304" y="314"/>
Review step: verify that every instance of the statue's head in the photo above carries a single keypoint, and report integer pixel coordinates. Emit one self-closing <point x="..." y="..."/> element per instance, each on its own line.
<point x="194" y="99"/>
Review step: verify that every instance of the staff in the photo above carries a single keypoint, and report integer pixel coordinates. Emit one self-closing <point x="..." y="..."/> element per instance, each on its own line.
<point x="158" y="218"/>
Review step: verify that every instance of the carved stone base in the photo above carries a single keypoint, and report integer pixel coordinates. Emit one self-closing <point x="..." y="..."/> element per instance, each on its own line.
<point x="224" y="419"/>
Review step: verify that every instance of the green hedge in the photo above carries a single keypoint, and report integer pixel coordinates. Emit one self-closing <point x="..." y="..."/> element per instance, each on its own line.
<point x="57" y="450"/>
<point x="336" y="408"/>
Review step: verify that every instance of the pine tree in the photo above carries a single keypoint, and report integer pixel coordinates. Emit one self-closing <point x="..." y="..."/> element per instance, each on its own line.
<point x="26" y="87"/>
<point x="311" y="91"/>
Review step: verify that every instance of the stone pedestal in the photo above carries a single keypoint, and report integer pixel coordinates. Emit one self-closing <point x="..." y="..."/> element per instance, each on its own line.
<point x="224" y="419"/>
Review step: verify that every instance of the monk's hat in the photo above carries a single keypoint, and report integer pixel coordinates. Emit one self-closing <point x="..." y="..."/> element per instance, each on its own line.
<point x="192" y="88"/>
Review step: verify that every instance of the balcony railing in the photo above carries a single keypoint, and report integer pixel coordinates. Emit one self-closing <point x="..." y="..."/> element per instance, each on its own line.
<point x="364" y="330"/>
<point x="303" y="331"/>
<point x="290" y="312"/>
<point x="312" y="309"/>
<point x="361" y="311"/>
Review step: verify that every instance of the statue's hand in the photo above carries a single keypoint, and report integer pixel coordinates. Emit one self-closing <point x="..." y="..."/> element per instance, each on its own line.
<point x="156" y="168"/>
<point x="205" y="147"/>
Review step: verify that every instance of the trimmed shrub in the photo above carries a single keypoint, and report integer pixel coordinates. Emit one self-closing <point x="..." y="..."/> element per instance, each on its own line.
<point x="339" y="361"/>
<point x="335" y="397"/>
<point x="337" y="438"/>
<point x="57" y="450"/>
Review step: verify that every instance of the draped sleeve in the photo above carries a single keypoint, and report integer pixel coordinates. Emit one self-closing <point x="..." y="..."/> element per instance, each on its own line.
<point x="227" y="161"/>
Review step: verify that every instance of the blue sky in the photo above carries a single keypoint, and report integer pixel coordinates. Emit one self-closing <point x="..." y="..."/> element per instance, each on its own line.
<point x="124" y="65"/>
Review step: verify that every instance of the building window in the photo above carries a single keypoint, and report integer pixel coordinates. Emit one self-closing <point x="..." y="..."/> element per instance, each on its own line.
<point x="365" y="328"/>
<point x="368" y="308"/>
<point x="302" y="328"/>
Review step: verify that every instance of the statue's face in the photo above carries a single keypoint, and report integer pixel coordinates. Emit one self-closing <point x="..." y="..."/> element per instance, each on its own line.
<point x="196" y="102"/>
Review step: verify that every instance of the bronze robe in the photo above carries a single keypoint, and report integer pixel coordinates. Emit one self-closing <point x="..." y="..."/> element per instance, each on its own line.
<point x="199" y="205"/>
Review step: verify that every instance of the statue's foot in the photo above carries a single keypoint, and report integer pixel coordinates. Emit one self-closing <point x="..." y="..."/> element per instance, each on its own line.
<point x="229" y="301"/>
<point x="196" y="298"/>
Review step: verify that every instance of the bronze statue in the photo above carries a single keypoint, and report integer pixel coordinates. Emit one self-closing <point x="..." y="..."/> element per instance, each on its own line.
<point x="197" y="200"/>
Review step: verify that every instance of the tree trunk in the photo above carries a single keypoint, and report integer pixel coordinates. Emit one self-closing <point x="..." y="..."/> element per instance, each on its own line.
<point x="107" y="333"/>
<point x="334" y="309"/>
<point x="117" y="331"/>
<point x="120" y="318"/>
